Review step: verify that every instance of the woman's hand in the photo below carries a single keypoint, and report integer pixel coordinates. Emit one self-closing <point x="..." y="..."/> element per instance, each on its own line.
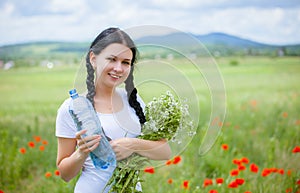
<point x="122" y="147"/>
<point x="87" y="144"/>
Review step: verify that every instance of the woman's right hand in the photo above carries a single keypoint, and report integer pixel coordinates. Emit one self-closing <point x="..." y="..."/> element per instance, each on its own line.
<point x="87" y="144"/>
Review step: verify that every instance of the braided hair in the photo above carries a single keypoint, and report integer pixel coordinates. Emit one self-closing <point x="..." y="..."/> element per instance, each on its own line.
<point x="105" y="38"/>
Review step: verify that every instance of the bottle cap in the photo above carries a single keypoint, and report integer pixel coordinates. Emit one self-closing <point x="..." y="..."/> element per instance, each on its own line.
<point x="73" y="92"/>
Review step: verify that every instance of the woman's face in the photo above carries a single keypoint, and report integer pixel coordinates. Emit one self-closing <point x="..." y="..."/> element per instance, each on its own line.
<point x="112" y="65"/>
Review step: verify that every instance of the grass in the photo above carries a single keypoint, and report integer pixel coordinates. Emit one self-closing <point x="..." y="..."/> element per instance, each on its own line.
<point x="262" y="124"/>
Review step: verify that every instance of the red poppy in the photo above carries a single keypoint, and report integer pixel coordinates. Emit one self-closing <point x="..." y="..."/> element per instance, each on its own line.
<point x="240" y="181"/>
<point x="45" y="142"/>
<point x="232" y="184"/>
<point x="176" y="159"/>
<point x="219" y="180"/>
<point x="284" y="114"/>
<point x="225" y="147"/>
<point x="22" y="150"/>
<point x="48" y="174"/>
<point x="247" y="192"/>
<point x="245" y="160"/>
<point x="185" y="184"/>
<point x="149" y="170"/>
<point x="207" y="182"/>
<point x="56" y="172"/>
<point x="241" y="167"/>
<point x="236" y="161"/>
<point x="281" y="171"/>
<point x="170" y="181"/>
<point x="296" y="149"/>
<point x="289" y="190"/>
<point x="298" y="182"/>
<point x="169" y="162"/>
<point x="37" y="138"/>
<point x="265" y="172"/>
<point x="234" y="172"/>
<point x="42" y="148"/>
<point x="289" y="172"/>
<point x="213" y="191"/>
<point x="1" y="191"/>
<point x="31" y="144"/>
<point x="254" y="168"/>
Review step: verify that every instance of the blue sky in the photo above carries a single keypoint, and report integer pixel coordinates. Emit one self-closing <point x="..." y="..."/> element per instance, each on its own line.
<point x="273" y="22"/>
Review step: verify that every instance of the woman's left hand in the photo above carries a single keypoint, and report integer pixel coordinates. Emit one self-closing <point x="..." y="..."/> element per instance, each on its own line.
<point x="122" y="147"/>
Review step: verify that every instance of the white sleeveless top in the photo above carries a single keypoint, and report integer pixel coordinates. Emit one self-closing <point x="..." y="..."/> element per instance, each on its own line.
<point x="124" y="123"/>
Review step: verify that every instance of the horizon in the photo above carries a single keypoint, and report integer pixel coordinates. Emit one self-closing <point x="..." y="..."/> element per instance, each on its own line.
<point x="145" y="36"/>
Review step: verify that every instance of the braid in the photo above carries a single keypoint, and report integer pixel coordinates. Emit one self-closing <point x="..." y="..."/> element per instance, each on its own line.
<point x="90" y="80"/>
<point x="132" y="97"/>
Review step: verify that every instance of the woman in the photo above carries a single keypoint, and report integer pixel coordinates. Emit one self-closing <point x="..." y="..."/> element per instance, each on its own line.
<point x="110" y="62"/>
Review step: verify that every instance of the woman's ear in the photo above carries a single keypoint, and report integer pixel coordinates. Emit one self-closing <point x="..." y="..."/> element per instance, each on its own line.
<point x="93" y="59"/>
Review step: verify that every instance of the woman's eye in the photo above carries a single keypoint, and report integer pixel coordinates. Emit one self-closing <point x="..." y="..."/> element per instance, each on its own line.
<point x="126" y="63"/>
<point x="111" y="59"/>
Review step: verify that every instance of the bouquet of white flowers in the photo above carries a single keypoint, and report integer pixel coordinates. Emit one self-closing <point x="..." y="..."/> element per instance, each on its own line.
<point x="165" y="118"/>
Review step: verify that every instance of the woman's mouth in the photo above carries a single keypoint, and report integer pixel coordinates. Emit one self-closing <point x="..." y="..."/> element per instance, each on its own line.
<point x="114" y="76"/>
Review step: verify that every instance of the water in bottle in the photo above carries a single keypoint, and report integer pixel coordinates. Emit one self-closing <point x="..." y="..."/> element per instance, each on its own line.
<point x="85" y="117"/>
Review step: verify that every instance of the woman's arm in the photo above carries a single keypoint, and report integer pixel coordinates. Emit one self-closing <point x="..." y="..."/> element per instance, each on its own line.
<point x="156" y="150"/>
<point x="69" y="159"/>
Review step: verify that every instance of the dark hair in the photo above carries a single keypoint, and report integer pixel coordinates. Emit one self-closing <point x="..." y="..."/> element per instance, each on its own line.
<point x="105" y="38"/>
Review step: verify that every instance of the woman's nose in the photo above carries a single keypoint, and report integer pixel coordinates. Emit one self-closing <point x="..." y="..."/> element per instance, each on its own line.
<point x="118" y="66"/>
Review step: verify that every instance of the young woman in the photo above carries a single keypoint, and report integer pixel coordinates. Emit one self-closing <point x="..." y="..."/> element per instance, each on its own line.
<point x="110" y="62"/>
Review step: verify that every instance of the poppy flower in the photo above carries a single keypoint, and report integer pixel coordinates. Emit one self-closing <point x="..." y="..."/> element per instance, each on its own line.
<point x="37" y="138"/>
<point x="265" y="172"/>
<point x="1" y="191"/>
<point x="298" y="182"/>
<point x="254" y="168"/>
<point x="234" y="172"/>
<point x="213" y="191"/>
<point x="31" y="144"/>
<point x="149" y="170"/>
<point x="48" y="174"/>
<point x="281" y="171"/>
<point x="56" y="172"/>
<point x="207" y="182"/>
<point x="247" y="192"/>
<point x="296" y="149"/>
<point x="232" y="184"/>
<point x="169" y="162"/>
<point x="225" y="147"/>
<point x="45" y="142"/>
<point x="284" y="114"/>
<point x="236" y="161"/>
<point x="185" y="184"/>
<point x="289" y="190"/>
<point x="240" y="181"/>
<point x="22" y="150"/>
<point x="176" y="159"/>
<point x="42" y="148"/>
<point x="245" y="160"/>
<point x="170" y="181"/>
<point x="219" y="180"/>
<point x="241" y="167"/>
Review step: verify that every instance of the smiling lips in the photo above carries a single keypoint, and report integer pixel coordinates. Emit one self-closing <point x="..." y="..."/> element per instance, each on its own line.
<point x="114" y="75"/>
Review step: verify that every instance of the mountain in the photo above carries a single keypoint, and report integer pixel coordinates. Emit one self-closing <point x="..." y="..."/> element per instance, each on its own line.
<point x="222" y="43"/>
<point x="219" y="44"/>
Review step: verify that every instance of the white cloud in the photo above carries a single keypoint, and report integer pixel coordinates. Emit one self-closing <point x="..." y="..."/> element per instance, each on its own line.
<point x="81" y="20"/>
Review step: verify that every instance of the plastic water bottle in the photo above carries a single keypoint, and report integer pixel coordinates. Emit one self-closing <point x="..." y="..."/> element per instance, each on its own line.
<point x="85" y="117"/>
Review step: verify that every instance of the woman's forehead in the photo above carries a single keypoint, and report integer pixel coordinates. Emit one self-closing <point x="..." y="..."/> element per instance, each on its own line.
<point x="118" y="50"/>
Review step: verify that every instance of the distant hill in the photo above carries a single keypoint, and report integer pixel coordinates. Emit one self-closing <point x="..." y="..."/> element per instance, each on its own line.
<point x="222" y="43"/>
<point x="219" y="44"/>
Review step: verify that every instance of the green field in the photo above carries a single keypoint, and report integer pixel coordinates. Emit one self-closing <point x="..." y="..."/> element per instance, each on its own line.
<point x="262" y="124"/>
